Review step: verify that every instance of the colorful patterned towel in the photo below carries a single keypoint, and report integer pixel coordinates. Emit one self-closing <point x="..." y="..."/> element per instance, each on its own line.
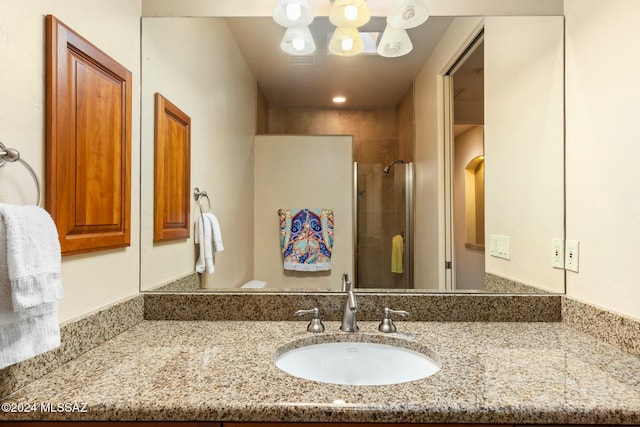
<point x="306" y="238"/>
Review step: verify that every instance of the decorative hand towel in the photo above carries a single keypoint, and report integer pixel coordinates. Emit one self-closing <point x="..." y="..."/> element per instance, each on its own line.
<point x="306" y="238"/>
<point x="397" y="253"/>
<point x="30" y="283"/>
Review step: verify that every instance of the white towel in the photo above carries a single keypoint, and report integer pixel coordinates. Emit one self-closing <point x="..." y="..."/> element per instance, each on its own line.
<point x="30" y="284"/>
<point x="33" y="255"/>
<point x="216" y="234"/>
<point x="209" y="237"/>
<point x="203" y="238"/>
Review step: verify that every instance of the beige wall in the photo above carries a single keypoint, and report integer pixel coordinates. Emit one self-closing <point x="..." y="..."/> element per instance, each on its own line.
<point x="524" y="146"/>
<point x="215" y="87"/>
<point x="603" y="179"/>
<point x="90" y="281"/>
<point x="373" y="131"/>
<point x="298" y="172"/>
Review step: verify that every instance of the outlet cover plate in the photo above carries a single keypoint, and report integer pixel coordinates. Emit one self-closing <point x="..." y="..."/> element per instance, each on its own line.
<point x="557" y="253"/>
<point x="572" y="255"/>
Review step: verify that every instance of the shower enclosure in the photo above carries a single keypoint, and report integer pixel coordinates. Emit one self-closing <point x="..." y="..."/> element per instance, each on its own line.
<point x="384" y="225"/>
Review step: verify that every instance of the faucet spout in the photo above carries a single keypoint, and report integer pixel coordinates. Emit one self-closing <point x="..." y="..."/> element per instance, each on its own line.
<point x="349" y="323"/>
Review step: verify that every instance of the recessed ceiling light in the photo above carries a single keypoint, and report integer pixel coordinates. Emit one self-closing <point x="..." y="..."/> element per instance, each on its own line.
<point x="339" y="99"/>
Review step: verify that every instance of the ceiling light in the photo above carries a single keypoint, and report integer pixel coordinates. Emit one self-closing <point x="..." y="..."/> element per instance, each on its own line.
<point x="293" y="13"/>
<point x="349" y="13"/>
<point x="394" y="42"/>
<point x="407" y="14"/>
<point x="298" y="41"/>
<point x="369" y="39"/>
<point x="346" y="42"/>
<point x="339" y="99"/>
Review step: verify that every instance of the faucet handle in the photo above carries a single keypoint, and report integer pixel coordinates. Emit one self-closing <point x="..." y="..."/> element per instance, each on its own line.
<point x="387" y="324"/>
<point x="346" y="283"/>
<point x="315" y="325"/>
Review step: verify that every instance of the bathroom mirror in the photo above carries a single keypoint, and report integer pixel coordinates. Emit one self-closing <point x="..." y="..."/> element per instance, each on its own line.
<point x="209" y="66"/>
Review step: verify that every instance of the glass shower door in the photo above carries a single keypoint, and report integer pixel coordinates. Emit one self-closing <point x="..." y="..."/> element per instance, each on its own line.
<point x="384" y="225"/>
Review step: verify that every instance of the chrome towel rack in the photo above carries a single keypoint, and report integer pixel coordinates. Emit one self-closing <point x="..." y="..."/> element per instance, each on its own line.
<point x="13" y="155"/>
<point x="198" y="195"/>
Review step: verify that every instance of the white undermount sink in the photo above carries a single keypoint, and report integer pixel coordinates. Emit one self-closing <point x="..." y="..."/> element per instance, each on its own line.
<point x="357" y="363"/>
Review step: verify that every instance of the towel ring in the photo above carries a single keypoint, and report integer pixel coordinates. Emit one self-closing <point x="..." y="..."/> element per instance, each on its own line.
<point x="198" y="195"/>
<point x="13" y="155"/>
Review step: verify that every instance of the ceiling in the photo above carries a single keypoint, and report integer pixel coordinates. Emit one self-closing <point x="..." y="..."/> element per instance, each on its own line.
<point x="367" y="81"/>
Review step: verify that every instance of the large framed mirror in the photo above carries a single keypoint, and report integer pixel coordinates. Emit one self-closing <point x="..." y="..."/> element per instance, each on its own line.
<point x="473" y="87"/>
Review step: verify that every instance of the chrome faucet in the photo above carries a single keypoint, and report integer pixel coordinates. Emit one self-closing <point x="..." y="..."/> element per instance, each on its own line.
<point x="350" y="307"/>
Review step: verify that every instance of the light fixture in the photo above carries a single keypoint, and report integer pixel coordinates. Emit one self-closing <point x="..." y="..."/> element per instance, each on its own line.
<point x="298" y="41"/>
<point x="346" y="42"/>
<point x="407" y="14"/>
<point x="293" y="13"/>
<point x="339" y="99"/>
<point x="347" y="16"/>
<point x="349" y="13"/>
<point x="394" y="42"/>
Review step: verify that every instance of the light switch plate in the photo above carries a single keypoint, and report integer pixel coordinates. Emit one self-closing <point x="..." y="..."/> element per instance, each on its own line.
<point x="499" y="246"/>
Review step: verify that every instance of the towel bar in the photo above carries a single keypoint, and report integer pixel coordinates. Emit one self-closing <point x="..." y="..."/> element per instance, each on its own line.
<point x="13" y="155"/>
<point x="198" y="195"/>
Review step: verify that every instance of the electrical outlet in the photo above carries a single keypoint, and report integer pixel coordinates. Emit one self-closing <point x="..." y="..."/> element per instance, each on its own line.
<point x="572" y="255"/>
<point x="557" y="253"/>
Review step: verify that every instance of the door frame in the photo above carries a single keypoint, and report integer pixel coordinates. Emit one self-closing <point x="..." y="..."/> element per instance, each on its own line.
<point x="447" y="114"/>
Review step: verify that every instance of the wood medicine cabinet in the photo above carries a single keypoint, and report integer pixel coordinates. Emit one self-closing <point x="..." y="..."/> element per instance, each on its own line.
<point x="172" y="172"/>
<point x="88" y="143"/>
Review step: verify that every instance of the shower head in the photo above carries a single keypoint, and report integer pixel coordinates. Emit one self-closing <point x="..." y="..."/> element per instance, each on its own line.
<point x="388" y="167"/>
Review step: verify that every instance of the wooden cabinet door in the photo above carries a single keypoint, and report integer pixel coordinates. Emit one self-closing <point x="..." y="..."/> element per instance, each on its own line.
<point x="88" y="143"/>
<point x="172" y="172"/>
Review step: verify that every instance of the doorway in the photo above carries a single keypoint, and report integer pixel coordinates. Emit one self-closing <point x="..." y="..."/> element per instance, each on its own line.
<point x="464" y="169"/>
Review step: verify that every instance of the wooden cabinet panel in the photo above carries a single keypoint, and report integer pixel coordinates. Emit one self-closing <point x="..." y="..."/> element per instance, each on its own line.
<point x="172" y="170"/>
<point x="88" y="143"/>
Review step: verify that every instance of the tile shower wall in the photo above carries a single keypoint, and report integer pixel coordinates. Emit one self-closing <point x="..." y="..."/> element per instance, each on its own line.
<point x="405" y="129"/>
<point x="374" y="131"/>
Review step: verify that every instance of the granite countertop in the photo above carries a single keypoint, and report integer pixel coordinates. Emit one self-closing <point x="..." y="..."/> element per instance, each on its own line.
<point x="223" y="371"/>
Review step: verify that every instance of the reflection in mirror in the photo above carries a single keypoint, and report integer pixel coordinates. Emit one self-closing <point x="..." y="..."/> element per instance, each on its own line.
<point x="230" y="77"/>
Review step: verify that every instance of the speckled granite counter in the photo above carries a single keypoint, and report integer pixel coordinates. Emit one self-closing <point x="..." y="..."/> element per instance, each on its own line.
<point x="223" y="370"/>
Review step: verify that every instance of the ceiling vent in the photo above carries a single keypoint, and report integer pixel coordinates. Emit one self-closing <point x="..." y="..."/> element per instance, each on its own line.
<point x="302" y="59"/>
